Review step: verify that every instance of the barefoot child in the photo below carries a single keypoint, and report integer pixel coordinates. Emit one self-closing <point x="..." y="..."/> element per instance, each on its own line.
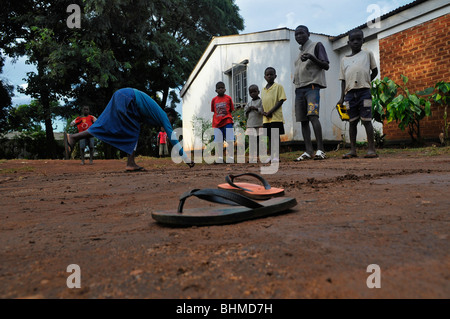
<point x="222" y="122"/>
<point x="273" y="97"/>
<point x="357" y="71"/>
<point x="83" y="123"/>
<point x="119" y="124"/>
<point x="254" y="113"/>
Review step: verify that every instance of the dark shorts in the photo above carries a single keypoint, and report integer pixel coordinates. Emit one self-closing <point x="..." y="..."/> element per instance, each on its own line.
<point x="224" y="131"/>
<point x="307" y="101"/>
<point x="278" y="125"/>
<point x="360" y="104"/>
<point x="87" y="141"/>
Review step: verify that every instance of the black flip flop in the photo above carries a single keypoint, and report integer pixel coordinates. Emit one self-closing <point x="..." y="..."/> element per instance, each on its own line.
<point x="243" y="208"/>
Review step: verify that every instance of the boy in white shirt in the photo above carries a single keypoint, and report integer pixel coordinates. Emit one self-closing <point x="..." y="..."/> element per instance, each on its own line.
<point x="357" y="72"/>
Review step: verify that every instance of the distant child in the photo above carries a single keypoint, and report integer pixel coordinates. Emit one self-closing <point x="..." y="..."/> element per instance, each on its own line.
<point x="309" y="79"/>
<point x="222" y="106"/>
<point x="357" y="71"/>
<point x="254" y="113"/>
<point x="83" y="123"/>
<point x="273" y="97"/>
<point x="162" y="143"/>
<point x="120" y="123"/>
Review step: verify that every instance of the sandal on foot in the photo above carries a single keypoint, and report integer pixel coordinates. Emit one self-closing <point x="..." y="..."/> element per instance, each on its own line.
<point x="349" y="155"/>
<point x="371" y="155"/>
<point x="320" y="155"/>
<point x="305" y="156"/>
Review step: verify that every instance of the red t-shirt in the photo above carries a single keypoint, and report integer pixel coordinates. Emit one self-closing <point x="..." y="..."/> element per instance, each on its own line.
<point x="162" y="136"/>
<point x="222" y="106"/>
<point x="84" y="122"/>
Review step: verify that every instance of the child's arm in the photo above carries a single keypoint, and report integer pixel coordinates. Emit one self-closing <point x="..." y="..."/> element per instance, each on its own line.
<point x="373" y="74"/>
<point x="76" y="121"/>
<point x="341" y="100"/>
<point x="321" y="63"/>
<point x="273" y="110"/>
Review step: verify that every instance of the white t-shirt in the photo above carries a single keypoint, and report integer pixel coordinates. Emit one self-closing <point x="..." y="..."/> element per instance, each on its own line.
<point x="355" y="70"/>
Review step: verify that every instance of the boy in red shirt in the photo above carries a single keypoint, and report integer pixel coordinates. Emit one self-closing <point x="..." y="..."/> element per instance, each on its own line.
<point x="162" y="143"/>
<point x="222" y="106"/>
<point x="83" y="123"/>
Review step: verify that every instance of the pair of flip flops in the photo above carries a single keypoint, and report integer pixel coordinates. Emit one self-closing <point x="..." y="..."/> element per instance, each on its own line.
<point x="241" y="200"/>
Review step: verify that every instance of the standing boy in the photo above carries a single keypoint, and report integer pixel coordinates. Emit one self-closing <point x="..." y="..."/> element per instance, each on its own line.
<point x="309" y="78"/>
<point x="83" y="123"/>
<point x="222" y="106"/>
<point x="254" y="113"/>
<point x="357" y="71"/>
<point x="273" y="97"/>
<point x="162" y="143"/>
<point x="120" y="123"/>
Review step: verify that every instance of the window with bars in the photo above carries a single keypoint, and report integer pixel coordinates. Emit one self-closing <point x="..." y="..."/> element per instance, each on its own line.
<point x="238" y="79"/>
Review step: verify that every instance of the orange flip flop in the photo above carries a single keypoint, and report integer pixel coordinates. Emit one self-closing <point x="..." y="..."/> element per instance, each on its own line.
<point x="264" y="191"/>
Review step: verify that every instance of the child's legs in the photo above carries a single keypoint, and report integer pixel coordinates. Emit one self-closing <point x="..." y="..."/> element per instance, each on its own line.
<point x="268" y="129"/>
<point x="370" y="136"/>
<point x="352" y="98"/>
<point x="301" y="115"/>
<point x="353" y="129"/>
<point x="360" y="107"/>
<point x="82" y="148"/>
<point x="306" y="132"/>
<point x="91" y="149"/>
<point x="252" y="134"/>
<point x="313" y="108"/>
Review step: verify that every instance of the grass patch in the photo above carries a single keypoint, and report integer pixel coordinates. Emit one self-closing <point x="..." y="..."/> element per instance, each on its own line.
<point x="419" y="151"/>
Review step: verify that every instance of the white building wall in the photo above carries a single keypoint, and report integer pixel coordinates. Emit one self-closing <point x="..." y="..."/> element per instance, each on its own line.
<point x="276" y="48"/>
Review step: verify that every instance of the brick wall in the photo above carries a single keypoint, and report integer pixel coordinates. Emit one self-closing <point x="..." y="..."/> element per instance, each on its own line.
<point x="422" y="53"/>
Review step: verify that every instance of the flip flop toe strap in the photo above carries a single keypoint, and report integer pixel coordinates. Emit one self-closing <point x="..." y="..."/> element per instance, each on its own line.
<point x="218" y="196"/>
<point x="230" y="180"/>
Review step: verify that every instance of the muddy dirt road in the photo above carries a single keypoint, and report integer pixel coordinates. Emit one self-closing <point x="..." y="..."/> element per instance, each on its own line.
<point x="392" y="211"/>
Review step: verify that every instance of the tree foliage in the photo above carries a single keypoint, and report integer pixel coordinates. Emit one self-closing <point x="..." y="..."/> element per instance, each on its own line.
<point x="149" y="45"/>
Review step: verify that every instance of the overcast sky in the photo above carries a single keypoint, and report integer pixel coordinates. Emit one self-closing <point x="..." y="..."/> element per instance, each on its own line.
<point x="330" y="17"/>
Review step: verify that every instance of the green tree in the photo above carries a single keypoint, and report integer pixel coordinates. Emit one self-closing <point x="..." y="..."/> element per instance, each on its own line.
<point x="149" y="45"/>
<point x="6" y="92"/>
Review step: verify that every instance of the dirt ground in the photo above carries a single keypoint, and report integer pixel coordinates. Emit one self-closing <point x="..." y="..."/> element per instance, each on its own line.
<point x="392" y="211"/>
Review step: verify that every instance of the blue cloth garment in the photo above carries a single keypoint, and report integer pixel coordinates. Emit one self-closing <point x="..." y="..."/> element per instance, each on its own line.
<point x="120" y="123"/>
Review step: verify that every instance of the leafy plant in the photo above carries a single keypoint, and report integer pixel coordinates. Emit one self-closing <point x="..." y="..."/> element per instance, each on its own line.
<point x="239" y="118"/>
<point x="379" y="138"/>
<point x="393" y="102"/>
<point x="442" y="97"/>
